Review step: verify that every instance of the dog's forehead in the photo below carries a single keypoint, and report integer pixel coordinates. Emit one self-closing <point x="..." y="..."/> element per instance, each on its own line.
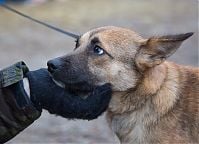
<point x="86" y="36"/>
<point x="112" y="33"/>
<point x="115" y="40"/>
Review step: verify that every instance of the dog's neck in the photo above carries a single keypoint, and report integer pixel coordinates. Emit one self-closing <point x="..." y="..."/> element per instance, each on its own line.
<point x="131" y="112"/>
<point x="152" y="82"/>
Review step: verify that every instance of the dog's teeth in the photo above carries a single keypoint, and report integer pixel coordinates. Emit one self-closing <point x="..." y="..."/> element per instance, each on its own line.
<point x="58" y="83"/>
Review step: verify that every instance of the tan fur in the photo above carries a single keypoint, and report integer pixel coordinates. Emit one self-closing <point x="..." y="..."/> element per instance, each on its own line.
<point x="171" y="115"/>
<point x="154" y="101"/>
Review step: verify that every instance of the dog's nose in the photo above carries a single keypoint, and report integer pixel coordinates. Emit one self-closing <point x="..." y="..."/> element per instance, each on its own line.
<point x="53" y="65"/>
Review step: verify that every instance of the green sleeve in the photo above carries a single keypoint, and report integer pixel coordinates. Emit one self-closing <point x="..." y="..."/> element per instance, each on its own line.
<point x="13" y="74"/>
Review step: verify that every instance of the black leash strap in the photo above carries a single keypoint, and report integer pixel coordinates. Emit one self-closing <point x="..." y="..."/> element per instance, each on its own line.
<point x="40" y="22"/>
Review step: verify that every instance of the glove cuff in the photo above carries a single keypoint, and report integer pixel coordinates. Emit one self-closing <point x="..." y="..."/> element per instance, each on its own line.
<point x="13" y="74"/>
<point x="11" y="78"/>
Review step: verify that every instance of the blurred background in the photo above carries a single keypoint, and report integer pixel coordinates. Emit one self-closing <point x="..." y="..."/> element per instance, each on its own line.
<point x="21" y="39"/>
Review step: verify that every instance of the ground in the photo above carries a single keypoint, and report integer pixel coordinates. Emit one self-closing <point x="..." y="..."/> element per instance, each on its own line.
<point x="21" y="39"/>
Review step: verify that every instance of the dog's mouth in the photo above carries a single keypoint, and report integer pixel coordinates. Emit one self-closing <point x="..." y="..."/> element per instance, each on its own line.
<point x="59" y="83"/>
<point x="81" y="88"/>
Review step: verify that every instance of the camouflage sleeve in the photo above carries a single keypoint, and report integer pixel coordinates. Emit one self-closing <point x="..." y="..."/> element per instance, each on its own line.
<point x="12" y="74"/>
<point x="16" y="110"/>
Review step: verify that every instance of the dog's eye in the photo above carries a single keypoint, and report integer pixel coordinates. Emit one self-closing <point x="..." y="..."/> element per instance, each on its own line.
<point x="98" y="50"/>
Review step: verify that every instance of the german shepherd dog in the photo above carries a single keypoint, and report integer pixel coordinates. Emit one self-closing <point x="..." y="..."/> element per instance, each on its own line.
<point x="153" y="101"/>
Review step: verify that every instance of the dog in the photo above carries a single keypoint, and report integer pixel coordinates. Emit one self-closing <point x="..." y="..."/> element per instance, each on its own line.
<point x="153" y="100"/>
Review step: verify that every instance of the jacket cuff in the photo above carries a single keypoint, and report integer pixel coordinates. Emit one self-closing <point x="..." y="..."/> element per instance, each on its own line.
<point x="13" y="74"/>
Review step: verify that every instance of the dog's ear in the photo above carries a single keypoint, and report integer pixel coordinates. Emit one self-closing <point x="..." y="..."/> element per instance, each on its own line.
<point x="155" y="50"/>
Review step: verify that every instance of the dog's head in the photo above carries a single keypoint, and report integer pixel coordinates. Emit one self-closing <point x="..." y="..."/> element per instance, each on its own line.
<point x="112" y="55"/>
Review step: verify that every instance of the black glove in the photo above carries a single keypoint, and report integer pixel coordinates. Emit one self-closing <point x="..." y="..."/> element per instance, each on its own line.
<point x="46" y="94"/>
<point x="16" y="110"/>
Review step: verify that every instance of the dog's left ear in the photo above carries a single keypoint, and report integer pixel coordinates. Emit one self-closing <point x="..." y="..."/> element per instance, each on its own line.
<point x="155" y="50"/>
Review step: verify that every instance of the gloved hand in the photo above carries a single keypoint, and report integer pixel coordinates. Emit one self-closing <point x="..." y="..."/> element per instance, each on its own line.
<point x="46" y="94"/>
<point x="16" y="110"/>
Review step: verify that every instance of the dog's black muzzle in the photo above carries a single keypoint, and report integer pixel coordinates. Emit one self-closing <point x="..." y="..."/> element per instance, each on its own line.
<point x="54" y="65"/>
<point x="72" y="73"/>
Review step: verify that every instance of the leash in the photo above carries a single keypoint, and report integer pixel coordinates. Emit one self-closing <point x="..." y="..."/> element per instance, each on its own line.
<point x="39" y="22"/>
